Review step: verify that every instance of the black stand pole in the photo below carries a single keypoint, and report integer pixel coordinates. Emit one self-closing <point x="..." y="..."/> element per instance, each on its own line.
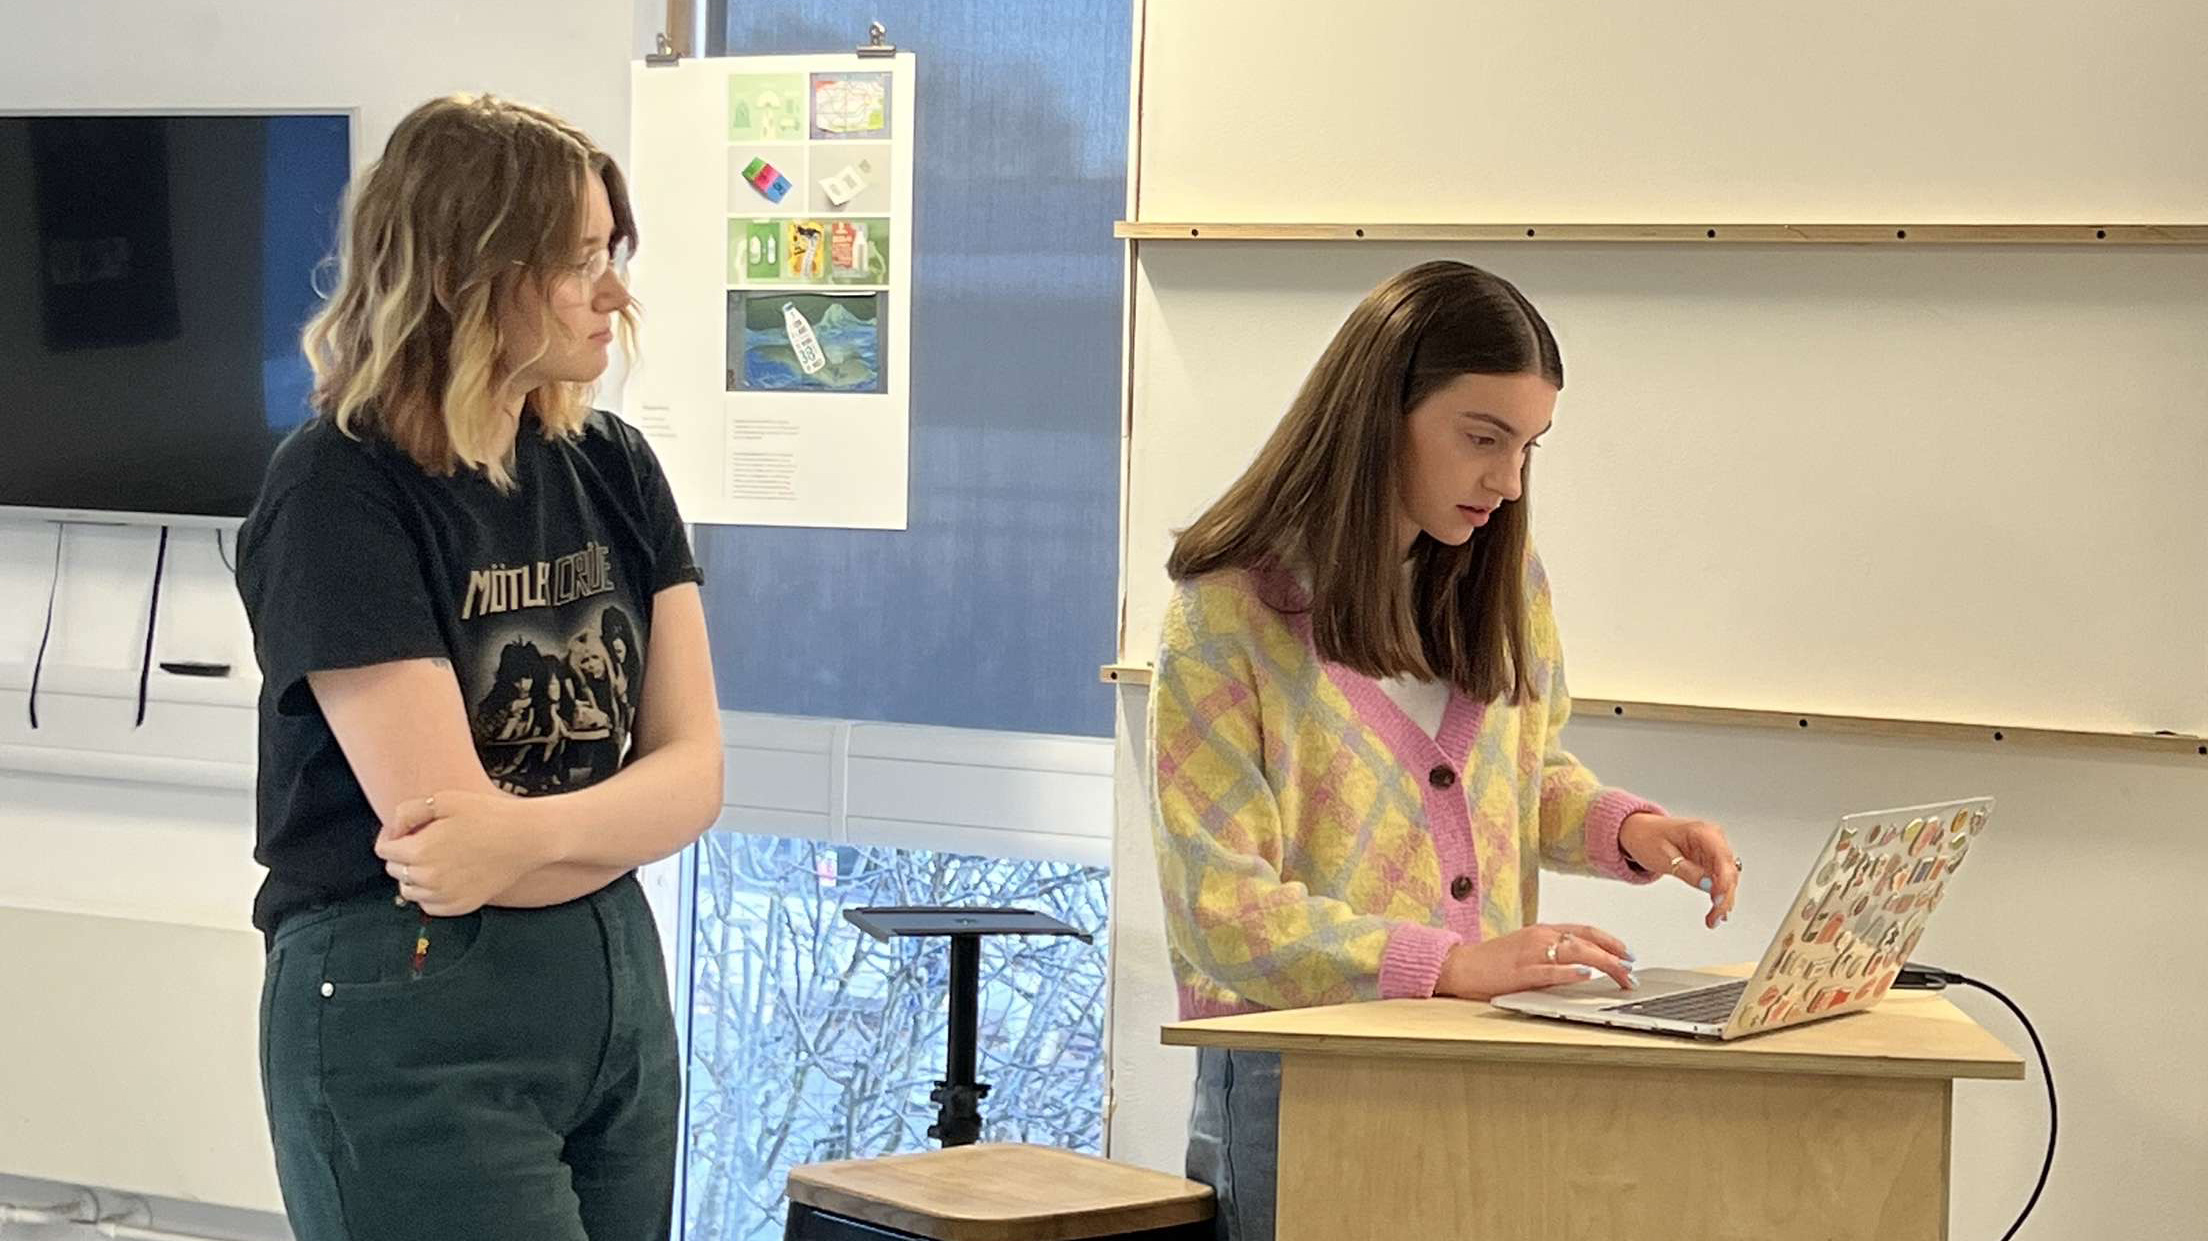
<point x="958" y="1098"/>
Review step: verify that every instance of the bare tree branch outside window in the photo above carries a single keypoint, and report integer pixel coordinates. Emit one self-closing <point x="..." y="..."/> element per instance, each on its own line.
<point x="810" y="1041"/>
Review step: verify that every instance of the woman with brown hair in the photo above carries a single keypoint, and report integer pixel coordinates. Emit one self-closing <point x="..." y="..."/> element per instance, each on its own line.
<point x="1355" y="717"/>
<point x="465" y="1025"/>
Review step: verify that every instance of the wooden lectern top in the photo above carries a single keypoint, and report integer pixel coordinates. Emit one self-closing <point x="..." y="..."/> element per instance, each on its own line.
<point x="1910" y="1034"/>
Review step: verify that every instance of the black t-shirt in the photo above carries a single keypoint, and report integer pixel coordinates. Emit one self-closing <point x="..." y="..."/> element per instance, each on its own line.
<point x="540" y="598"/>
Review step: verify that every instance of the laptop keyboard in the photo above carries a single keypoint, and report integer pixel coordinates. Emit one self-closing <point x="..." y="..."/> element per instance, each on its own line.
<point x="1705" y="1004"/>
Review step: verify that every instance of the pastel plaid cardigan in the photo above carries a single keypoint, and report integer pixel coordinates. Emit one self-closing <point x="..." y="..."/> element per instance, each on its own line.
<point x="1316" y="846"/>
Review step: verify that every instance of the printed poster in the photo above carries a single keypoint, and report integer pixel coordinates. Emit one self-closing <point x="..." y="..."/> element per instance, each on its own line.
<point x="774" y="198"/>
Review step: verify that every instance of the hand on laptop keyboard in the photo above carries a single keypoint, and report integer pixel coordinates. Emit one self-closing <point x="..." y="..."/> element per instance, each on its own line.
<point x="1534" y="958"/>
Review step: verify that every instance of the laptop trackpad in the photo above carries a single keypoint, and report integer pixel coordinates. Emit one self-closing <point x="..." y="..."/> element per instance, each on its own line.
<point x="1604" y="991"/>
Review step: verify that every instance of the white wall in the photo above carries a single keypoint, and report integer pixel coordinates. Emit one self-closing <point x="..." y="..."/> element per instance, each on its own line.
<point x="1820" y="479"/>
<point x="153" y="826"/>
<point x="1423" y="110"/>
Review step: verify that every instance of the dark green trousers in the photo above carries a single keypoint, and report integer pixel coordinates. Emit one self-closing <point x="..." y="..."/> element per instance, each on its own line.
<point x="522" y="1083"/>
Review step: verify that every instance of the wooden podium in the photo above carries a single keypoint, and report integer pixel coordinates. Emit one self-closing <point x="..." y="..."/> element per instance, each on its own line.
<point x="1434" y="1119"/>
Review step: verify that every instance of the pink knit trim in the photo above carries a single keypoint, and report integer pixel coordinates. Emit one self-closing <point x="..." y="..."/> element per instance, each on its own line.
<point x="1437" y="762"/>
<point x="1412" y="963"/>
<point x="1604" y="818"/>
<point x="1440" y="777"/>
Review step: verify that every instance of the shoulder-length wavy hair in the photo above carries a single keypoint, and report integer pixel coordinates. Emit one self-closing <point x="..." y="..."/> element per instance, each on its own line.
<point x="475" y="202"/>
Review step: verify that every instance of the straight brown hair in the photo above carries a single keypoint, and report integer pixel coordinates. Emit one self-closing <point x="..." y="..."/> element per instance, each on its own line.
<point x="1322" y="493"/>
<point x="476" y="200"/>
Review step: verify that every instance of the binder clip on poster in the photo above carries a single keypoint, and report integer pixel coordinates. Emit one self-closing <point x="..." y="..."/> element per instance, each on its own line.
<point x="877" y="41"/>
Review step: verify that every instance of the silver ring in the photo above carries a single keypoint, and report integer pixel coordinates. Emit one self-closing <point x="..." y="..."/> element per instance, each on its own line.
<point x="406" y="875"/>
<point x="1556" y="947"/>
<point x="1676" y="861"/>
<point x="430" y="803"/>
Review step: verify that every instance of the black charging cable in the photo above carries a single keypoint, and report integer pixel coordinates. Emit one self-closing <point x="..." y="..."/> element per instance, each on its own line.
<point x="1915" y="977"/>
<point x="46" y="635"/>
<point x="153" y="620"/>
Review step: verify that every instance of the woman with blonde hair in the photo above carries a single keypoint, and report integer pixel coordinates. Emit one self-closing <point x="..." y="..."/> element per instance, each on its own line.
<point x="465" y="1025"/>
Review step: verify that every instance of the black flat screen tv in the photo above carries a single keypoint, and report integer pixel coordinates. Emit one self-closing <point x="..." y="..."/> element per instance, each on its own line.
<point x="162" y="268"/>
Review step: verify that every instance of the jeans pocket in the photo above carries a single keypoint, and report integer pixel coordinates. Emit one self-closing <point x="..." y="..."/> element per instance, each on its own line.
<point x="383" y="951"/>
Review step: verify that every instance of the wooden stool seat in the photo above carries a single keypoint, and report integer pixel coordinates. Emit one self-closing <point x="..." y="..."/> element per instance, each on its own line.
<point x="1000" y="1193"/>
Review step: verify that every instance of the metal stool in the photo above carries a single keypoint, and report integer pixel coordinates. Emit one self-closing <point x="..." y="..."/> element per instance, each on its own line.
<point x="994" y="1193"/>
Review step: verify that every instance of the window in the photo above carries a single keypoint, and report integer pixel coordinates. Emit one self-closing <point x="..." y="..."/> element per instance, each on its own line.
<point x="809" y="1041"/>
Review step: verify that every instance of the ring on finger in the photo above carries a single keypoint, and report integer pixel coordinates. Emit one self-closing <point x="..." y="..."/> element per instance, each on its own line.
<point x="1677" y="861"/>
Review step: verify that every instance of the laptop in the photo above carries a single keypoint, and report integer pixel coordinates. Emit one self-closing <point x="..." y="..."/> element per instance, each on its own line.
<point x="1861" y="911"/>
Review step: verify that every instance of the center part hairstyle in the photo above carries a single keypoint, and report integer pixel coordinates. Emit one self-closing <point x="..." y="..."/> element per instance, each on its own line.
<point x="1322" y="497"/>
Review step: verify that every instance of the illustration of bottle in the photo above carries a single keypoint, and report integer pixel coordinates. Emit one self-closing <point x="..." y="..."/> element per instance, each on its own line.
<point x="802" y="341"/>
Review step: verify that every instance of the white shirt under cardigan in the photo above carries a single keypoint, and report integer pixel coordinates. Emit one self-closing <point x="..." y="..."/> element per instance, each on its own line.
<point x="1424" y="701"/>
